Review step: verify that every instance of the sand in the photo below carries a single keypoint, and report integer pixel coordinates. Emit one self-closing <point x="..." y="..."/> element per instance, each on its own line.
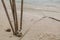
<point x="36" y="20"/>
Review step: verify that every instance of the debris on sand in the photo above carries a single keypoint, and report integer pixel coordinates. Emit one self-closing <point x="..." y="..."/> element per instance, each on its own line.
<point x="8" y="30"/>
<point x="54" y="19"/>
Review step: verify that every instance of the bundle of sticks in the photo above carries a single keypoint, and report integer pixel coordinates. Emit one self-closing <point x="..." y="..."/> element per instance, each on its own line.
<point x="14" y="14"/>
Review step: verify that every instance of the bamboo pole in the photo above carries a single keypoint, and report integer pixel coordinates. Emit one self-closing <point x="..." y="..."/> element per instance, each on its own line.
<point x="15" y="15"/>
<point x="11" y="4"/>
<point x="8" y="16"/>
<point x="21" y="15"/>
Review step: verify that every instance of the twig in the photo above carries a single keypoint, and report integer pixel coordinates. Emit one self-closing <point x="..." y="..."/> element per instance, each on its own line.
<point x="7" y="15"/>
<point x="40" y="19"/>
<point x="54" y="19"/>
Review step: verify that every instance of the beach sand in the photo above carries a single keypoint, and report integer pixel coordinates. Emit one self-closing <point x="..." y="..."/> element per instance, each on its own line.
<point x="37" y="20"/>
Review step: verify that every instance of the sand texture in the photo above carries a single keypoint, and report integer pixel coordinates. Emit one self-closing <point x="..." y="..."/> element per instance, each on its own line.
<point x="37" y="20"/>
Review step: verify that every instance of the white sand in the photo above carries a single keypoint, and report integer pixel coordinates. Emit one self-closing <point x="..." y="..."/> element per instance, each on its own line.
<point x="40" y="28"/>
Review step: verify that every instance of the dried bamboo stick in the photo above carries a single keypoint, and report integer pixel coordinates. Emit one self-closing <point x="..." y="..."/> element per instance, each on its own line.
<point x="15" y="15"/>
<point x="12" y="9"/>
<point x="21" y="15"/>
<point x="7" y="15"/>
<point x="11" y="4"/>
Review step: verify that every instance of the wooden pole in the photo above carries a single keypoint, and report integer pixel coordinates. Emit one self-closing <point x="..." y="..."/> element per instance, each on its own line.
<point x="12" y="8"/>
<point x="15" y="15"/>
<point x="8" y="16"/>
<point x="11" y="4"/>
<point x="21" y="15"/>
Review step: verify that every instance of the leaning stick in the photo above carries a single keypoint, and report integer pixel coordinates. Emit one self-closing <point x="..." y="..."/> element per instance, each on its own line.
<point x="21" y="15"/>
<point x="12" y="8"/>
<point x="11" y="4"/>
<point x="7" y="15"/>
<point x="15" y="15"/>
